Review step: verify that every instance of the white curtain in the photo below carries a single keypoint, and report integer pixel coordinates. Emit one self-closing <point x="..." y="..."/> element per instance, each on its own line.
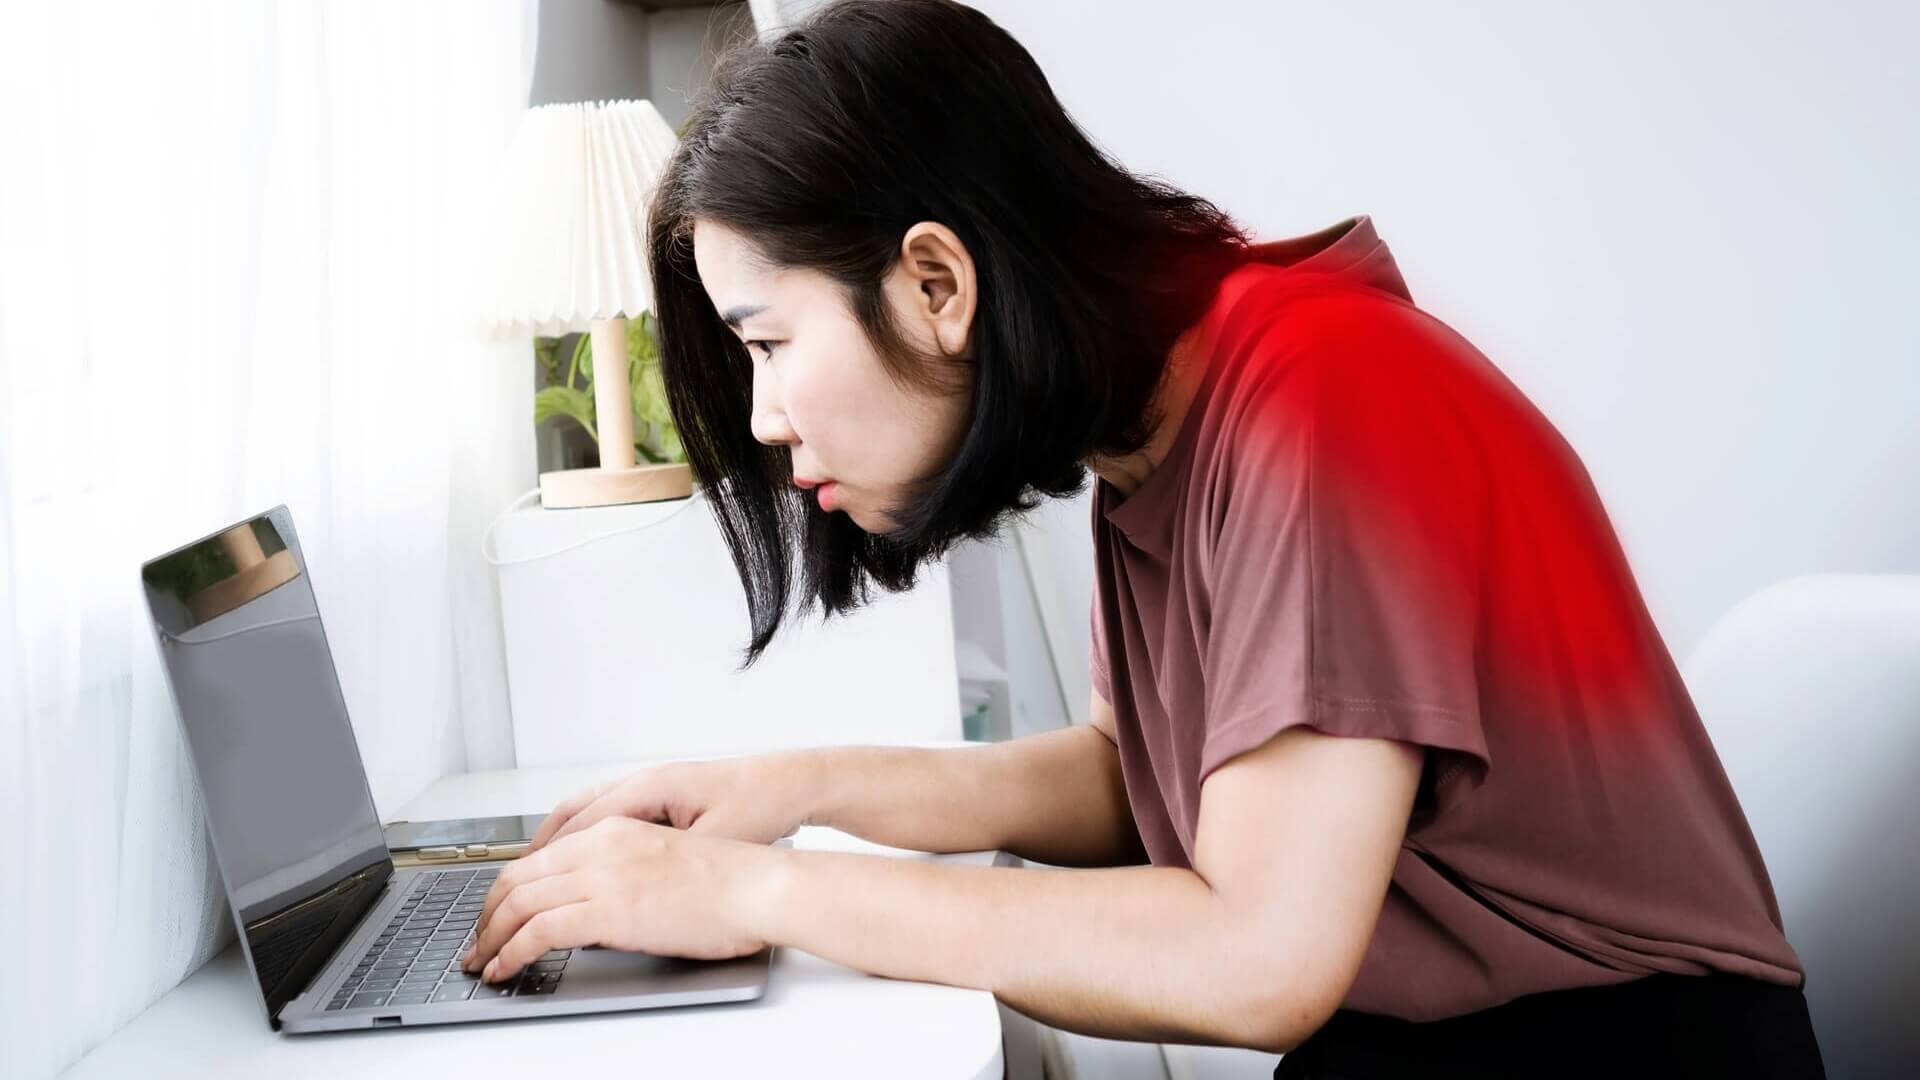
<point x="230" y="240"/>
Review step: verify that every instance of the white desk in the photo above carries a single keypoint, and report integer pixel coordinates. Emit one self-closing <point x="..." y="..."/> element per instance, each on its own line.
<point x="817" y="1019"/>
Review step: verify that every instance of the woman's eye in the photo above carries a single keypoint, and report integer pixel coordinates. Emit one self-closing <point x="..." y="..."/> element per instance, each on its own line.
<point x="766" y="348"/>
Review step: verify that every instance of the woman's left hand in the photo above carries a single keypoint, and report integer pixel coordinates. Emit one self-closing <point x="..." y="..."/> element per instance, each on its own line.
<point x="624" y="884"/>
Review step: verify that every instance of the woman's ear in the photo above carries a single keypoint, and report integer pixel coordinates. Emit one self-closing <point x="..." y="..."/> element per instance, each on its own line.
<point x="940" y="273"/>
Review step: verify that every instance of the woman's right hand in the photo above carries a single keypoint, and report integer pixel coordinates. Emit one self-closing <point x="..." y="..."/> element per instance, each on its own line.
<point x="758" y="799"/>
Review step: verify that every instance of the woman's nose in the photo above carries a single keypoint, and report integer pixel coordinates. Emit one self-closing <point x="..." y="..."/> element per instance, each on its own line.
<point x="769" y="421"/>
<point x="772" y="428"/>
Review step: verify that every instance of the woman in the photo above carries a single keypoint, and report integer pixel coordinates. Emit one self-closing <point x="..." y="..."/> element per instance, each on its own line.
<point x="1388" y="769"/>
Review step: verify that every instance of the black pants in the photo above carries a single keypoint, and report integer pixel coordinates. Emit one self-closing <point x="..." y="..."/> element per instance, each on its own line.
<point x="1661" y="1025"/>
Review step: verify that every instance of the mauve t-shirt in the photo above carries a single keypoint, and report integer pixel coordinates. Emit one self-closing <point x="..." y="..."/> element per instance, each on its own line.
<point x="1362" y="527"/>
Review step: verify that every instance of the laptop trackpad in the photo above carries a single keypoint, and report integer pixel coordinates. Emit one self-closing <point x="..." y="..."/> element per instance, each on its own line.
<point x="595" y="973"/>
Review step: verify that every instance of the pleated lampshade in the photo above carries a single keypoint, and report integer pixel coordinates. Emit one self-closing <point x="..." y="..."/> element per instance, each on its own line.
<point x="570" y="209"/>
<point x="573" y="217"/>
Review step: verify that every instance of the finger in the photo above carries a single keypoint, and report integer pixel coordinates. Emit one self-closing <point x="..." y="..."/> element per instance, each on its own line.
<point x="564" y="927"/>
<point x="520" y="905"/>
<point x="572" y="805"/>
<point x="713" y="822"/>
<point x="552" y="859"/>
<point x="606" y="806"/>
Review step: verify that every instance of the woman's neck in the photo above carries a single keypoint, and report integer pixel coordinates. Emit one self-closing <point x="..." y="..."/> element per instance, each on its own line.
<point x="1186" y="367"/>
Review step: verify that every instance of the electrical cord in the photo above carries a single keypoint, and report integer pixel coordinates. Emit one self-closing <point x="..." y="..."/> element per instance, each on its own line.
<point x="486" y="538"/>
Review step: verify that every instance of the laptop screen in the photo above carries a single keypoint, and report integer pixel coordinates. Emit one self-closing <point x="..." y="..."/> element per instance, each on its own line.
<point x="293" y="824"/>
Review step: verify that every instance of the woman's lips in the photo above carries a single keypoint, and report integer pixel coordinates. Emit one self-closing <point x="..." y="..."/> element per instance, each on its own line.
<point x="824" y="490"/>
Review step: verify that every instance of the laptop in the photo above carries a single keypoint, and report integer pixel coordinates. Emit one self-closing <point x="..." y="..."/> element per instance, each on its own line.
<point x="338" y="937"/>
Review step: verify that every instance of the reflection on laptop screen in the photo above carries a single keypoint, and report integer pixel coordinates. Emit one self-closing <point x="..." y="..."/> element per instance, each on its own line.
<point x="293" y="824"/>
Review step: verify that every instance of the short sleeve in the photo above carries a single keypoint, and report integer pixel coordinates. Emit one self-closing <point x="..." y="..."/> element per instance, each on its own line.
<point x="1097" y="667"/>
<point x="1345" y="551"/>
<point x="1097" y="655"/>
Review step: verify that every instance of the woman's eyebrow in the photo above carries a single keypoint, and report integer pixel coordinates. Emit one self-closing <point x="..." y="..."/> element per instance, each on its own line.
<point x="735" y="315"/>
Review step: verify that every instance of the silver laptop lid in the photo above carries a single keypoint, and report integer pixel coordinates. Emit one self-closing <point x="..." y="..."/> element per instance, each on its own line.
<point x="292" y="821"/>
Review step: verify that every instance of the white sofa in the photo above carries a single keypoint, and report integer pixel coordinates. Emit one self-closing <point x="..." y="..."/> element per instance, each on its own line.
<point x="1811" y="691"/>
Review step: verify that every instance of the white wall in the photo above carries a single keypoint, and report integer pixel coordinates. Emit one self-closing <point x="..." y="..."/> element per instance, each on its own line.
<point x="1685" y="230"/>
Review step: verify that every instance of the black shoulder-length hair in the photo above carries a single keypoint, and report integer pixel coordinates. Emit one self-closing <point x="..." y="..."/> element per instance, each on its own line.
<point x="822" y="147"/>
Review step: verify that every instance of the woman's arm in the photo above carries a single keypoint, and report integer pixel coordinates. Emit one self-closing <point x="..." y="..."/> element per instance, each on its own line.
<point x="1256" y="946"/>
<point x="1056" y="797"/>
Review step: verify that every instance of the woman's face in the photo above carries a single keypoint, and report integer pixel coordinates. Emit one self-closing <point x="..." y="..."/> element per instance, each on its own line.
<point x="820" y="389"/>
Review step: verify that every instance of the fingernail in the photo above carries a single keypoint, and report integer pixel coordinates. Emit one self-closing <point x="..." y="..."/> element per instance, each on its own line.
<point x="492" y="967"/>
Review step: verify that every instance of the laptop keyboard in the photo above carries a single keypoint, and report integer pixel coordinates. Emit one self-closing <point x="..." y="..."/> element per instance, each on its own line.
<point x="416" y="958"/>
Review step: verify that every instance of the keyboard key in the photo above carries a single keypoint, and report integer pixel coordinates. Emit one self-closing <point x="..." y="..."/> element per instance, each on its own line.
<point x="380" y="984"/>
<point x="425" y="979"/>
<point x="367" y="1001"/>
<point x="557" y="954"/>
<point x="459" y="991"/>
<point x="403" y="996"/>
<point x="544" y="987"/>
<point x="544" y="966"/>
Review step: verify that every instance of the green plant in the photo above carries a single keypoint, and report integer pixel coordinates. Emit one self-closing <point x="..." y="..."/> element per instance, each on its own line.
<point x="654" y="437"/>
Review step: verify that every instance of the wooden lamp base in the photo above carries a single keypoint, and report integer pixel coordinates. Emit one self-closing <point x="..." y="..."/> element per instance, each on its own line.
<point x="618" y="479"/>
<point x="603" y="486"/>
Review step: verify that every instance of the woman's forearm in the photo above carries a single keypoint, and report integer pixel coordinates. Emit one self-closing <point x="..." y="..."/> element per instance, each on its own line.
<point x="1054" y="797"/>
<point x="1140" y="953"/>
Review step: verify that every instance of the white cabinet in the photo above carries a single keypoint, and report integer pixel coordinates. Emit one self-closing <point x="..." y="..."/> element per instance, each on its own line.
<point x="624" y="627"/>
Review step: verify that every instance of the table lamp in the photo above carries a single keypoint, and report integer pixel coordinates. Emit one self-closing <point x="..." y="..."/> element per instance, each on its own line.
<point x="572" y="213"/>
